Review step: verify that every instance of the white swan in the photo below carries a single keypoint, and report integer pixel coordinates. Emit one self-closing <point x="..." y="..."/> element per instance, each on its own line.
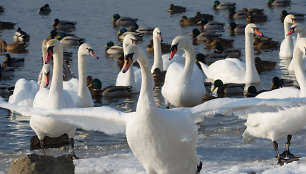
<point x="286" y="47"/>
<point x="232" y="70"/>
<point x="133" y="76"/>
<point x="274" y="126"/>
<point x="78" y="89"/>
<point x="56" y="98"/>
<point x="184" y="85"/>
<point x="162" y="62"/>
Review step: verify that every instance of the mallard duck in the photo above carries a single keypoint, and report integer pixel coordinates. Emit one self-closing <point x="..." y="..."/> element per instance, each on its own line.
<point x="112" y="49"/>
<point x="227" y="90"/>
<point x="256" y="18"/>
<point x="95" y="86"/>
<point x="229" y="52"/>
<point x="146" y="31"/>
<point x="264" y="43"/>
<point x="298" y="16"/>
<point x="264" y="65"/>
<point x="279" y="83"/>
<point x="225" y="5"/>
<point x="208" y="59"/>
<point x="123" y="32"/>
<point x="7" y="25"/>
<point x="204" y="25"/>
<point x="232" y="14"/>
<point x="276" y="3"/>
<point x="185" y="21"/>
<point x="70" y="41"/>
<point x="236" y="29"/>
<point x="12" y="62"/>
<point x="202" y="37"/>
<point x="119" y="21"/>
<point x="44" y="9"/>
<point x="226" y="43"/>
<point x="165" y="47"/>
<point x="176" y="9"/>
<point x="21" y="36"/>
<point x="14" y="47"/>
<point x="63" y="25"/>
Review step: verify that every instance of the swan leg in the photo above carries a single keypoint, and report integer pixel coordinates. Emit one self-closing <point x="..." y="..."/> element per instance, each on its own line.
<point x="287" y="154"/>
<point x="199" y="167"/>
<point x="167" y="104"/>
<point x="71" y="142"/>
<point x="281" y="160"/>
<point x="42" y="145"/>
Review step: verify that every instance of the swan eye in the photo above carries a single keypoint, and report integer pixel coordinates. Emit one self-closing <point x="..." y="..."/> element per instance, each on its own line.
<point x="174" y="47"/>
<point x="129" y="56"/>
<point x="50" y="48"/>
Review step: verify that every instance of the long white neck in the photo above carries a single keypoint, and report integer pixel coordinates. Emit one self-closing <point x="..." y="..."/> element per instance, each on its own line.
<point x="146" y="99"/>
<point x="299" y="69"/>
<point x="286" y="30"/>
<point x="251" y="75"/>
<point x="189" y="62"/>
<point x="130" y="77"/>
<point x="43" y="49"/>
<point x="301" y="34"/>
<point x="56" y="92"/>
<point x="82" y="89"/>
<point x="158" y="63"/>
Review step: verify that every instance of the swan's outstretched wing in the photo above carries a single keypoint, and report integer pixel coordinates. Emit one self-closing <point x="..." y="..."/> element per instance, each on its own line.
<point x="242" y="106"/>
<point x="104" y="119"/>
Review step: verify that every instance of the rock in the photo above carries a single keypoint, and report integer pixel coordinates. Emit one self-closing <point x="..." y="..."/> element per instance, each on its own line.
<point x="42" y="164"/>
<point x="49" y="142"/>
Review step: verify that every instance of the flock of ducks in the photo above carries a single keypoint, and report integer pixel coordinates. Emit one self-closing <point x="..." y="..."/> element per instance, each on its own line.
<point x="165" y="140"/>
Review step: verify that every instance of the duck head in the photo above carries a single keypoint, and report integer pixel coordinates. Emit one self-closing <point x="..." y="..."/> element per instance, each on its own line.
<point x="217" y="83"/>
<point x="115" y="17"/>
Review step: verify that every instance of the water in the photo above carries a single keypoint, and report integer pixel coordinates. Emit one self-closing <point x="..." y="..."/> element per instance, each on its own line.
<point x="220" y="145"/>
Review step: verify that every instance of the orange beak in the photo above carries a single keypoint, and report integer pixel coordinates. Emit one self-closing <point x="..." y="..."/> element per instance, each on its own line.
<point x="256" y="30"/>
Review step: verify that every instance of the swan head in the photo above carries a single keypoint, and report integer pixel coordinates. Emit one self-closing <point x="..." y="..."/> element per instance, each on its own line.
<point x="131" y="54"/>
<point x="178" y="43"/>
<point x="53" y="46"/>
<point x="85" y="49"/>
<point x="157" y="34"/>
<point x="252" y="29"/>
<point x="296" y="28"/>
<point x="290" y="18"/>
<point x="129" y="39"/>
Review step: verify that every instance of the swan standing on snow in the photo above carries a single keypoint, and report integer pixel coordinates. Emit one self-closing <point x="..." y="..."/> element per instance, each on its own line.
<point x="184" y="84"/>
<point x="55" y="98"/>
<point x="133" y="76"/>
<point x="232" y="70"/>
<point x="278" y="125"/>
<point x="78" y="89"/>
<point x="286" y="47"/>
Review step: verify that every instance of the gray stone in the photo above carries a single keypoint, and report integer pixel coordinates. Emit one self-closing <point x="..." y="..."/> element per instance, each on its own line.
<point x="42" y="164"/>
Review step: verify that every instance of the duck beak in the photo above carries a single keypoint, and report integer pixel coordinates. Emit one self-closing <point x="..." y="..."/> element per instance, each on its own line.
<point x="272" y="86"/>
<point x="105" y="46"/>
<point x="90" y="85"/>
<point x="213" y="89"/>
<point x="190" y="34"/>
<point x="92" y="53"/>
<point x="47" y="79"/>
<point x="256" y="30"/>
<point x="199" y="22"/>
<point x="127" y="62"/>
<point x="246" y="94"/>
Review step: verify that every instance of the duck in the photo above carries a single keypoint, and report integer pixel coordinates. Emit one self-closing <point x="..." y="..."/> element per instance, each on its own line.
<point x="70" y="41"/>
<point x="279" y="83"/>
<point x="203" y="37"/>
<point x="55" y="97"/>
<point x="173" y="9"/>
<point x="21" y="36"/>
<point x="278" y="3"/>
<point x="234" y="70"/>
<point x="7" y="25"/>
<point x="227" y="90"/>
<point x="208" y="58"/>
<point x="63" y="25"/>
<point x="14" y="47"/>
<point x="145" y="31"/>
<point x="204" y="25"/>
<point x="298" y="16"/>
<point x="217" y="5"/>
<point x="261" y="125"/>
<point x="286" y="47"/>
<point x="132" y="77"/>
<point x="44" y="10"/>
<point x="185" y="21"/>
<point x="232" y="14"/>
<point x="264" y="43"/>
<point x="256" y="18"/>
<point x="165" y="47"/>
<point x="123" y="32"/>
<point x="229" y="52"/>
<point x="112" y="49"/>
<point x="95" y="86"/>
<point x="184" y="84"/>
<point x="161" y="62"/>
<point x="226" y="43"/>
<point x="12" y="62"/>
<point x="264" y="65"/>
<point x="77" y="88"/>
<point x="119" y="21"/>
